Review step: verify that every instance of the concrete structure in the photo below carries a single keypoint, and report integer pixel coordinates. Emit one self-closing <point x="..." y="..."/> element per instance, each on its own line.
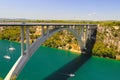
<point x="84" y="33"/>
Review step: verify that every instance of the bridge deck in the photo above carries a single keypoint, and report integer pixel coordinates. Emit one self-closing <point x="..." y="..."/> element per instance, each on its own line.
<point x="43" y="24"/>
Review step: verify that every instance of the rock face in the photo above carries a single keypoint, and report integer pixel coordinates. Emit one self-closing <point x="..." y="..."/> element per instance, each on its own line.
<point x="110" y="36"/>
<point x="1" y="28"/>
<point x="118" y="46"/>
<point x="38" y="31"/>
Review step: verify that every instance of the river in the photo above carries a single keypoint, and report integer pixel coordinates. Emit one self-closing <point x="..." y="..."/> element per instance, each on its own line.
<point x="47" y="61"/>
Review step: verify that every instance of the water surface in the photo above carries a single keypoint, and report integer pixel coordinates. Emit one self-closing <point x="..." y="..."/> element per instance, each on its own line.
<point x="46" y="61"/>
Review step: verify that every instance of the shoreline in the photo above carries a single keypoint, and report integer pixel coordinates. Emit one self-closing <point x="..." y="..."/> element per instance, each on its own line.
<point x="69" y="50"/>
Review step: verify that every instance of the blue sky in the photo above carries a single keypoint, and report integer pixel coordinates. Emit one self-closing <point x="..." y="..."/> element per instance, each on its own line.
<point x="61" y="9"/>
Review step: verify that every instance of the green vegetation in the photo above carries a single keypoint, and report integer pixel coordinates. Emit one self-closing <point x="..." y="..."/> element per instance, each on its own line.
<point x="101" y="50"/>
<point x="10" y="33"/>
<point x="106" y="44"/>
<point x="61" y="41"/>
<point x="108" y="40"/>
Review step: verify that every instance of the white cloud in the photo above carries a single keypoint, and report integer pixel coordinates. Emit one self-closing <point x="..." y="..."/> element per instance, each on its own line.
<point x="92" y="14"/>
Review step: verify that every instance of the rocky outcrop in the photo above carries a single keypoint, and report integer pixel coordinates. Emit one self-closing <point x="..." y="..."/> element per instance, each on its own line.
<point x="110" y="36"/>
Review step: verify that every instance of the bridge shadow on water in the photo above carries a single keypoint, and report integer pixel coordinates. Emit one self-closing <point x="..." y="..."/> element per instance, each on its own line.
<point x="70" y="68"/>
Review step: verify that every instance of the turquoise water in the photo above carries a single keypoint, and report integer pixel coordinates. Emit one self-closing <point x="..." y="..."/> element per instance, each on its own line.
<point x="48" y="60"/>
<point x="43" y="63"/>
<point x="5" y="64"/>
<point x="98" y="69"/>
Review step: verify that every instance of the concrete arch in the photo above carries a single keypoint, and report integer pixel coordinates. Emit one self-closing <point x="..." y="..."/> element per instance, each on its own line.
<point x="42" y="39"/>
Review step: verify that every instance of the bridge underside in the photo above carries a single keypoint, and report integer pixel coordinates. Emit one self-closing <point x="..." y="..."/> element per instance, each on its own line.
<point x="84" y="33"/>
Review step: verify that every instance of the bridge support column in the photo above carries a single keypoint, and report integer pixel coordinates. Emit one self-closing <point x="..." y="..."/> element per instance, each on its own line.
<point x="85" y="35"/>
<point x="73" y="27"/>
<point x="47" y="30"/>
<point x="43" y="31"/>
<point x="87" y="32"/>
<point x="90" y="41"/>
<point x="27" y="40"/>
<point x="82" y="35"/>
<point x="22" y="40"/>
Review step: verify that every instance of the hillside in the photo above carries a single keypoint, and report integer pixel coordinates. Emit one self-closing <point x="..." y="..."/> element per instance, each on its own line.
<point x="108" y="41"/>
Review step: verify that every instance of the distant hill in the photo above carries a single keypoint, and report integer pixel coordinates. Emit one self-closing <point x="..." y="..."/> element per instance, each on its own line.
<point x="11" y="20"/>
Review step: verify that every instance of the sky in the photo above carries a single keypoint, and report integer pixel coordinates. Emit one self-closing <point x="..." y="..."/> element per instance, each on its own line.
<point x="61" y="9"/>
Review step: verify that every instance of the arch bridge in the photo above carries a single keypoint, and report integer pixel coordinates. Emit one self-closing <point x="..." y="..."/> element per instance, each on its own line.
<point x="84" y="33"/>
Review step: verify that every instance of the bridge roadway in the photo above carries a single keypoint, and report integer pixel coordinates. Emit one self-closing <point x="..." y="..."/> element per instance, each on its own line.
<point x="42" y="24"/>
<point x="86" y="32"/>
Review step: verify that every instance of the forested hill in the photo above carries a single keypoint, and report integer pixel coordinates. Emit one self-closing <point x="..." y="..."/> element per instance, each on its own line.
<point x="107" y="44"/>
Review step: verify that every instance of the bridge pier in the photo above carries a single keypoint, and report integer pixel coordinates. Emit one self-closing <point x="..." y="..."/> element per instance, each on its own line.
<point x="82" y="36"/>
<point x="85" y="35"/>
<point x="43" y="31"/>
<point x="47" y="30"/>
<point x="22" y="40"/>
<point x="27" y="40"/>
